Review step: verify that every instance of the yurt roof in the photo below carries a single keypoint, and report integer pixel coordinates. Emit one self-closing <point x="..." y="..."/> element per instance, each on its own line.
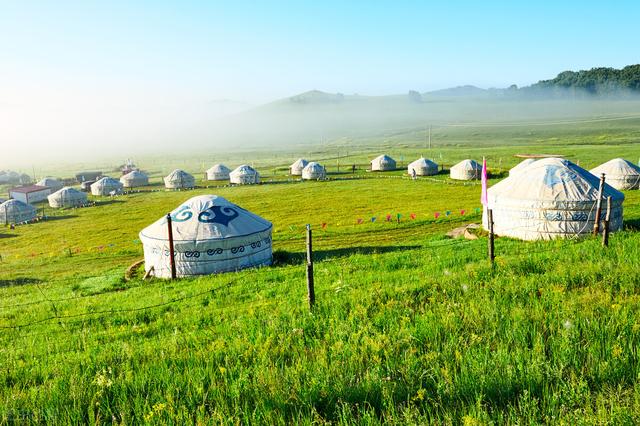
<point x="423" y="162"/>
<point x="67" y="190"/>
<point x="522" y="165"/>
<point x="244" y="169"/>
<point x="314" y="165"/>
<point x="135" y="174"/>
<point x="383" y="157"/>
<point x="178" y="174"/>
<point x="49" y="181"/>
<point x="617" y="167"/>
<point x="17" y="205"/>
<point x="106" y="180"/>
<point x="468" y="165"/>
<point x="300" y="162"/>
<point x="207" y="217"/>
<point x="551" y="182"/>
<point x="218" y="168"/>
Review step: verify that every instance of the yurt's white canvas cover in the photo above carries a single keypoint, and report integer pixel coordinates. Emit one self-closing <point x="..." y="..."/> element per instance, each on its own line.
<point x="383" y="163"/>
<point x="423" y="167"/>
<point x="244" y="175"/>
<point x="106" y="186"/>
<point x="619" y="173"/>
<point x="51" y="183"/>
<point x="67" y="197"/>
<point x="211" y="235"/>
<point x="296" y="168"/>
<point x="218" y="172"/>
<point x="314" y="170"/>
<point x="14" y="211"/>
<point x="134" y="179"/>
<point x="553" y="199"/>
<point x="466" y="170"/>
<point x="179" y="179"/>
<point x="521" y="166"/>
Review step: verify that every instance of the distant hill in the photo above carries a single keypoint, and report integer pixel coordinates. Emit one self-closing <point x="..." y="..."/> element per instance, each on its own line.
<point x="466" y="90"/>
<point x="596" y="81"/>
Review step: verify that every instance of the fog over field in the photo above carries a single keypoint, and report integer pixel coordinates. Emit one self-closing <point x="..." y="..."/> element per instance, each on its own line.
<point x="89" y="130"/>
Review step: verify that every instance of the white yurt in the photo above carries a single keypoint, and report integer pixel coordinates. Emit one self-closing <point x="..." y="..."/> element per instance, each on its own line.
<point x="210" y="235"/>
<point x="423" y="167"/>
<point x="52" y="183"/>
<point x="134" y="179"/>
<point x="15" y="211"/>
<point x="466" y="170"/>
<point x="244" y="175"/>
<point x="296" y="168"/>
<point x="67" y="197"/>
<point x="383" y="163"/>
<point x="554" y="199"/>
<point x="106" y="186"/>
<point x="179" y="179"/>
<point x="218" y="172"/>
<point x="314" y="170"/>
<point x="619" y="173"/>
<point x="521" y="166"/>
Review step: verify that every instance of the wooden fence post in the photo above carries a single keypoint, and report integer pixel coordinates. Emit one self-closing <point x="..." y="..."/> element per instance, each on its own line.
<point x="310" y="284"/>
<point x="491" y="247"/>
<point x="596" y="224"/>
<point x="605" y="231"/>
<point x="172" y="256"/>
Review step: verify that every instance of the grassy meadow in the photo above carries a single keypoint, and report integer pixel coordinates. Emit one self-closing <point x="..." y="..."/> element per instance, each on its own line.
<point x="410" y="327"/>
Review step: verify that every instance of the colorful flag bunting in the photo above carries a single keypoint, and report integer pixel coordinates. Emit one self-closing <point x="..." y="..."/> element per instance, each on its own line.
<point x="359" y="221"/>
<point x="436" y="214"/>
<point x="412" y="216"/>
<point x="462" y="212"/>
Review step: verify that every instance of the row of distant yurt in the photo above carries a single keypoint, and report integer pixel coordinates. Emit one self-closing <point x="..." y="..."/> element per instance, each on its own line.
<point x="308" y="170"/>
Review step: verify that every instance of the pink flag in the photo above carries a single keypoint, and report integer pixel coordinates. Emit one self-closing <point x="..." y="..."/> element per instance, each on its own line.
<point x="436" y="215"/>
<point x="483" y="197"/>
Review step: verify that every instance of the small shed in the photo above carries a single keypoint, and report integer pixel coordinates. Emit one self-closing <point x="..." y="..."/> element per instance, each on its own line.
<point x="30" y="194"/>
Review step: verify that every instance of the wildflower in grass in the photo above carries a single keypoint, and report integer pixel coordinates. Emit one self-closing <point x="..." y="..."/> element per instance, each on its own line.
<point x="419" y="395"/>
<point x="470" y="421"/>
<point x="616" y="351"/>
<point x="567" y="325"/>
<point x="222" y="370"/>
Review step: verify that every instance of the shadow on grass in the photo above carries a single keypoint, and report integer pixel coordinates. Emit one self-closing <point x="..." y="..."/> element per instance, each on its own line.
<point x="632" y="224"/>
<point x="106" y="202"/>
<point x="67" y="216"/>
<point x="283" y="258"/>
<point x="7" y="236"/>
<point x="19" y="281"/>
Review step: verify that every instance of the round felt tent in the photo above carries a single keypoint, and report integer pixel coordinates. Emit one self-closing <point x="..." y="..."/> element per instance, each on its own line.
<point x="619" y="173"/>
<point x="314" y="170"/>
<point x="423" y="167"/>
<point x="466" y="170"/>
<point x="210" y="235"/>
<point x="106" y="186"/>
<point x="15" y="211"/>
<point x="383" y="163"/>
<point x="51" y="183"/>
<point x="296" y="168"/>
<point x="521" y="166"/>
<point x="554" y="199"/>
<point x="244" y="175"/>
<point x="67" y="197"/>
<point x="134" y="179"/>
<point x="179" y="179"/>
<point x="218" y="172"/>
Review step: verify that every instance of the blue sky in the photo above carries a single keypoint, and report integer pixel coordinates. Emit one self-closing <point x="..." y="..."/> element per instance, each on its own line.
<point x="257" y="51"/>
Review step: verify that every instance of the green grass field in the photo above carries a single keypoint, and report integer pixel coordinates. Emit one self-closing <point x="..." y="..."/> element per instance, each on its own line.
<point x="410" y="327"/>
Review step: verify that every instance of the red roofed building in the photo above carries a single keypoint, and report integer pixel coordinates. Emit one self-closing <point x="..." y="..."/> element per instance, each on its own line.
<point x="30" y="194"/>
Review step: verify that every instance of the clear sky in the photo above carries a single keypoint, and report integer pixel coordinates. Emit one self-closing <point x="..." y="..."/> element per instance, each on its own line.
<point x="64" y="65"/>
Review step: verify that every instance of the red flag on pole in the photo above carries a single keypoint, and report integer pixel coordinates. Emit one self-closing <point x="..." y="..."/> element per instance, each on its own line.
<point x="483" y="197"/>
